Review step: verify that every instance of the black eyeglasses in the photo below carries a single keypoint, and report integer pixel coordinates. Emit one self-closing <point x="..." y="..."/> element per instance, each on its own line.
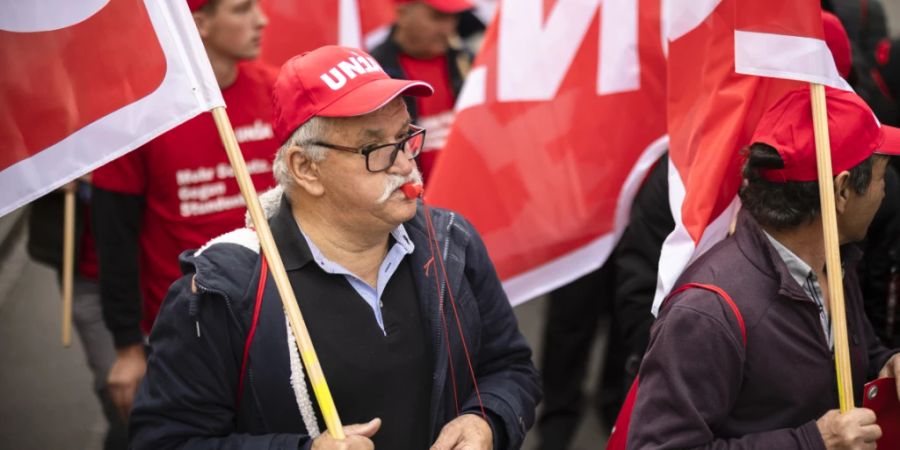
<point x="381" y="157"/>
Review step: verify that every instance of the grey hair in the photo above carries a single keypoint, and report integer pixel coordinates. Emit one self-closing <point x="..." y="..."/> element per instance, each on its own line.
<point x="310" y="131"/>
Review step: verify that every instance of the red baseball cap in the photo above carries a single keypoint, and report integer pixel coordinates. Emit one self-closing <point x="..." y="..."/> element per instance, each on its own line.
<point x="196" y="4"/>
<point x="447" y="6"/>
<point x="854" y="132"/>
<point x="334" y="81"/>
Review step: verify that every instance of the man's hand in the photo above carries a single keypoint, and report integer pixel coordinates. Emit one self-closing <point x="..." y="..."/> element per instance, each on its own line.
<point x="124" y="377"/>
<point x="466" y="432"/>
<point x="357" y="437"/>
<point x="853" y="430"/>
<point x="891" y="369"/>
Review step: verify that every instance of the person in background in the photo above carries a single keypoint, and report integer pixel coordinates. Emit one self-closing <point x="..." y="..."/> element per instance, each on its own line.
<point x="178" y="191"/>
<point x="423" y="44"/>
<point x="45" y="245"/>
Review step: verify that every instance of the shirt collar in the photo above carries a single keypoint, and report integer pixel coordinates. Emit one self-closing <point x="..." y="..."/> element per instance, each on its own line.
<point x="400" y="238"/>
<point x="798" y="268"/>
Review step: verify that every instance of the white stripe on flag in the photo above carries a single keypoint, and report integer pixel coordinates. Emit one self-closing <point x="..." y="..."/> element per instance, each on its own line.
<point x="678" y="250"/>
<point x="797" y="58"/>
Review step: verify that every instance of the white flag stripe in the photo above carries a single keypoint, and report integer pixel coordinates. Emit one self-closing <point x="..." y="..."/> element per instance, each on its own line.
<point x="798" y="58"/>
<point x="188" y="89"/>
<point x="678" y="250"/>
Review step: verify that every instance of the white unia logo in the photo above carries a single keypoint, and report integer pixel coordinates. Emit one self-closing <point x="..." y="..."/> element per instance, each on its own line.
<point x="356" y="65"/>
<point x="257" y="131"/>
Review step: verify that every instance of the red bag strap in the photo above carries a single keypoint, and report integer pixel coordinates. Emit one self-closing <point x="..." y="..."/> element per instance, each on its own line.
<point x="619" y="435"/>
<point x="260" y="289"/>
<point x="717" y="290"/>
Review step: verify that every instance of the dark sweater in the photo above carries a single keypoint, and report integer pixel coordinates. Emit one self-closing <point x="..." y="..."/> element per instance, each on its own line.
<point x="370" y="373"/>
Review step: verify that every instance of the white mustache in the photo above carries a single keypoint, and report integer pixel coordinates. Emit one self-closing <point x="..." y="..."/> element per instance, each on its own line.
<point x="394" y="182"/>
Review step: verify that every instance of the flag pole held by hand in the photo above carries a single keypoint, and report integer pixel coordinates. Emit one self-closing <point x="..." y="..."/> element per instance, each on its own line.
<point x="832" y="252"/>
<point x="267" y="245"/>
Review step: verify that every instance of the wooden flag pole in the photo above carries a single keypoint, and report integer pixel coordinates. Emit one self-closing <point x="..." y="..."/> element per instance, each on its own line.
<point x="267" y="244"/>
<point x="832" y="252"/>
<point x="68" y="266"/>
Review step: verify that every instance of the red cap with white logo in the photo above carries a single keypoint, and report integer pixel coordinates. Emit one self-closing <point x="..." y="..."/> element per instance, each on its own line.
<point x="334" y="81"/>
<point x="854" y="132"/>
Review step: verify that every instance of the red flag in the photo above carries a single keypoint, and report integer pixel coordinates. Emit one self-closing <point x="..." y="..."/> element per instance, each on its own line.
<point x="75" y="94"/>
<point x="729" y="60"/>
<point x="299" y="26"/>
<point x="560" y="118"/>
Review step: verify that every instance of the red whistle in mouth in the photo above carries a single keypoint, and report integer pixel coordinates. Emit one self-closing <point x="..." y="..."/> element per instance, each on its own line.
<point x="411" y="190"/>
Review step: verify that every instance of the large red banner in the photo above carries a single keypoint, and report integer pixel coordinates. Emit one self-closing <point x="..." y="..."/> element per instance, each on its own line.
<point x="561" y="116"/>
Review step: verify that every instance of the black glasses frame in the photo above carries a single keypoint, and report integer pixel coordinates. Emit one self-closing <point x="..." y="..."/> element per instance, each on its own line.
<point x="368" y="150"/>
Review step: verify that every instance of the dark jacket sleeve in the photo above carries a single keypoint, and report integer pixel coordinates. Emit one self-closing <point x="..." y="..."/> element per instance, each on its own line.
<point x="116" y="219"/>
<point x="637" y="258"/>
<point x="507" y="379"/>
<point x="187" y="398"/>
<point x="690" y="377"/>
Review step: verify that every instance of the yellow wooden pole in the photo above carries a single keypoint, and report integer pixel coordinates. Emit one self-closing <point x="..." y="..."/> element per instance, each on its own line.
<point x="68" y="266"/>
<point x="267" y="244"/>
<point x="832" y="251"/>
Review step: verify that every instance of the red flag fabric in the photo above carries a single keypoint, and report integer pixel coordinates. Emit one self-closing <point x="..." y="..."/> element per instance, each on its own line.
<point x="299" y="26"/>
<point x="728" y="61"/>
<point x="75" y="94"/>
<point x="560" y="118"/>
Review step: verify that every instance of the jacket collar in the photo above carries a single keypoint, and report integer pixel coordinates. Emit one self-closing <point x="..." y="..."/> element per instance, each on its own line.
<point x="294" y="251"/>
<point x="756" y="247"/>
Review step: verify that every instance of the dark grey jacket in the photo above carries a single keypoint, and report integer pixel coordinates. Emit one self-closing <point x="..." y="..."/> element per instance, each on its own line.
<point x="701" y="388"/>
<point x="187" y="399"/>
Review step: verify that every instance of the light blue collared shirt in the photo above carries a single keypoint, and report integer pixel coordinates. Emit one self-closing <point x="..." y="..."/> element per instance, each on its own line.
<point x="402" y="246"/>
<point x="803" y="274"/>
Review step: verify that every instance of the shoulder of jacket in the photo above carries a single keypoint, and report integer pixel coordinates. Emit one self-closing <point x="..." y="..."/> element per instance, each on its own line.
<point x="226" y="263"/>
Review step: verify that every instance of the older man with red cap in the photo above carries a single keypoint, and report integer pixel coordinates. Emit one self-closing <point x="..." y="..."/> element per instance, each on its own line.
<point x="410" y="322"/>
<point x="744" y="361"/>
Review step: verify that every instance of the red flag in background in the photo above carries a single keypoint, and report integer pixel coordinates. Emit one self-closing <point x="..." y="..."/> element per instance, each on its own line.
<point x="298" y="26"/>
<point x="728" y="61"/>
<point x="74" y="94"/>
<point x="560" y="118"/>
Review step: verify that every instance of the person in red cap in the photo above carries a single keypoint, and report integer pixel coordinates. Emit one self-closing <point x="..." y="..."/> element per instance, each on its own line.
<point x="423" y="45"/>
<point x="760" y="374"/>
<point x="178" y="191"/>
<point x="411" y="325"/>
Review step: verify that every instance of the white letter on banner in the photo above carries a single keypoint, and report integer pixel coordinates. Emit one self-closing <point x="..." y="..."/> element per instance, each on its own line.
<point x="619" y="69"/>
<point x="533" y="57"/>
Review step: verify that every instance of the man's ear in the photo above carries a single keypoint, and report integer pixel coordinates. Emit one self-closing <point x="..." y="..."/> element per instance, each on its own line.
<point x="842" y="191"/>
<point x="304" y="171"/>
<point x="201" y="19"/>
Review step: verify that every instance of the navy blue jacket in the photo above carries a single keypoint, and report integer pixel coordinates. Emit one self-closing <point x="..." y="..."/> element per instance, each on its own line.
<point x="187" y="399"/>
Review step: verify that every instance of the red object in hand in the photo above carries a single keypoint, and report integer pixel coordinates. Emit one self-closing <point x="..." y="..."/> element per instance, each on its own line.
<point x="411" y="190"/>
<point x="881" y="397"/>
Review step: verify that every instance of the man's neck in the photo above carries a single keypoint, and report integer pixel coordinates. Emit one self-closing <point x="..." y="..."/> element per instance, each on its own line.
<point x="225" y="69"/>
<point x="805" y="241"/>
<point x="359" y="251"/>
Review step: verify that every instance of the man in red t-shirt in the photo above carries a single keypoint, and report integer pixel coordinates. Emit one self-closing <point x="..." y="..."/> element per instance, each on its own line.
<point x="178" y="191"/>
<point x="423" y="46"/>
